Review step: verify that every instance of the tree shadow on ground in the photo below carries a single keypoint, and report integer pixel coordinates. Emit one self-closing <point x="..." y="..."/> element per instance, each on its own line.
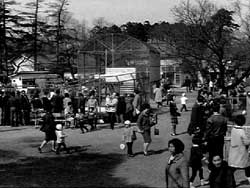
<point x="14" y="129"/>
<point x="81" y="170"/>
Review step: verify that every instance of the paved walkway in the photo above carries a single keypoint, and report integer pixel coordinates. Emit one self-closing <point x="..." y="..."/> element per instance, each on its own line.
<point x="95" y="158"/>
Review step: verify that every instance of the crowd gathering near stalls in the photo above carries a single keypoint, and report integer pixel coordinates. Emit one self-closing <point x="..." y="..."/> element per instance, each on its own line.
<point x="207" y="127"/>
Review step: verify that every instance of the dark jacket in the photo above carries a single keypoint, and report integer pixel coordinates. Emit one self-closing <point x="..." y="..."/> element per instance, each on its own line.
<point x="177" y="172"/>
<point x="46" y="104"/>
<point x="49" y="125"/>
<point x="197" y="118"/>
<point x="222" y="177"/>
<point x="216" y="127"/>
<point x="173" y="109"/>
<point x="57" y="103"/>
<point x="143" y="121"/>
<point x="25" y="103"/>
<point x="121" y="106"/>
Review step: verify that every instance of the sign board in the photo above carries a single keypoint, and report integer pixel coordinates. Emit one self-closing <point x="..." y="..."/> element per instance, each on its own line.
<point x="118" y="74"/>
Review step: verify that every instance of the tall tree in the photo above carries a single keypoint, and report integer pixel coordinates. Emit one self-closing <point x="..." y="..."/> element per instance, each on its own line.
<point x="10" y="35"/>
<point x="208" y="36"/>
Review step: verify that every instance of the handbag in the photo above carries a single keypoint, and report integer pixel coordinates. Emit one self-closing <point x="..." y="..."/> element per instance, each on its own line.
<point x="156" y="131"/>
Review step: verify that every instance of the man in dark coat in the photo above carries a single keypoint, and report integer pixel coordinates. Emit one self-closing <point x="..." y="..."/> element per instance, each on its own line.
<point x="57" y="102"/>
<point x="215" y="131"/>
<point x="25" y="108"/>
<point x="197" y="117"/>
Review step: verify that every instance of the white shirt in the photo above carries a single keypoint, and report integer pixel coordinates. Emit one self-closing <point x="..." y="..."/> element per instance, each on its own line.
<point x="183" y="100"/>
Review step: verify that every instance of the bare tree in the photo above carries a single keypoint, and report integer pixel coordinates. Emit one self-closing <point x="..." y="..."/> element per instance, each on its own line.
<point x="209" y="37"/>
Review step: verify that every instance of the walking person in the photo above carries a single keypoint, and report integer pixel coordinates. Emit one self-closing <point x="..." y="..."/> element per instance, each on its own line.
<point x="174" y="115"/>
<point x="60" y="139"/>
<point x="183" y="100"/>
<point x="238" y="152"/>
<point x="176" y="171"/>
<point x="144" y="127"/>
<point x="158" y="95"/>
<point x="129" y="136"/>
<point x="221" y="175"/>
<point x="49" y="128"/>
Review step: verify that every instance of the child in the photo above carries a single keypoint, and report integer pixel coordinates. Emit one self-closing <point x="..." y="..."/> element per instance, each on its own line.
<point x="196" y="158"/>
<point x="68" y="112"/>
<point x="183" y="100"/>
<point x="174" y="115"/>
<point x="60" y="138"/>
<point x="129" y="136"/>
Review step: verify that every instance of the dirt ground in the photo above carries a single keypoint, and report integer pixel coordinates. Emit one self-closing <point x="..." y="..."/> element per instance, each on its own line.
<point x="95" y="159"/>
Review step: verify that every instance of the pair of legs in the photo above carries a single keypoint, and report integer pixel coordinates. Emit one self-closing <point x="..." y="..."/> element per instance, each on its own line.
<point x="247" y="172"/>
<point x="92" y="124"/>
<point x="184" y="107"/>
<point x="120" y="118"/>
<point x="173" y="129"/>
<point x="147" y="140"/>
<point x="112" y="119"/>
<point x="159" y="104"/>
<point x="59" y="147"/>
<point x="129" y="150"/>
<point x="53" y="144"/>
<point x="194" y="173"/>
<point x="82" y="126"/>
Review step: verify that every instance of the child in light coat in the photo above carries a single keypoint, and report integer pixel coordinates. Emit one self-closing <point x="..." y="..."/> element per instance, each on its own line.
<point x="60" y="139"/>
<point x="129" y="136"/>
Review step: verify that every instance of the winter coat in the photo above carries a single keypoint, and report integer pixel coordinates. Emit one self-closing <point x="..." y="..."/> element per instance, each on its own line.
<point x="143" y="122"/>
<point x="49" y="125"/>
<point x="216" y="127"/>
<point x="197" y="118"/>
<point x="222" y="177"/>
<point x="238" y="151"/>
<point x="177" y="172"/>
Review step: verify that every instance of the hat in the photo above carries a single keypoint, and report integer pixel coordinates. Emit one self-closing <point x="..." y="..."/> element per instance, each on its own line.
<point x="127" y="122"/>
<point x="59" y="126"/>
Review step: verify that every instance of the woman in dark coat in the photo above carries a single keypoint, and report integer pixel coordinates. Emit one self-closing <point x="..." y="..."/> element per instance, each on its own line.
<point x="144" y="126"/>
<point x="49" y="128"/>
<point x="221" y="174"/>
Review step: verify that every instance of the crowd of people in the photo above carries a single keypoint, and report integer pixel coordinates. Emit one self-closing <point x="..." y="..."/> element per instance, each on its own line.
<point x="208" y="127"/>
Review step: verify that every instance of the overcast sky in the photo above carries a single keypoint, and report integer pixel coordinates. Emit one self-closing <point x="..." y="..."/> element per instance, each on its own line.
<point x="123" y="11"/>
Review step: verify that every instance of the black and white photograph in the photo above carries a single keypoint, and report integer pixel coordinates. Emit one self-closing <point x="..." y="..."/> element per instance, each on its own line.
<point x="125" y="93"/>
